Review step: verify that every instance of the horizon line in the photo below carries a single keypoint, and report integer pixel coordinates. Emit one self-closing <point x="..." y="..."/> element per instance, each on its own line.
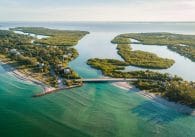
<point x="100" y="21"/>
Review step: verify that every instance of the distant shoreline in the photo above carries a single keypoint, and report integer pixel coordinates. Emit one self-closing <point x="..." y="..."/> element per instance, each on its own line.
<point x="94" y="21"/>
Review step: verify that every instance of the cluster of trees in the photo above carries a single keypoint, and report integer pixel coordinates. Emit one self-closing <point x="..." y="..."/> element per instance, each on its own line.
<point x="23" y="60"/>
<point x="113" y="68"/>
<point x="186" y="51"/>
<point x="180" y="91"/>
<point x="43" y="54"/>
<point x="73" y="83"/>
<point x="56" y="37"/>
<point x="121" y="40"/>
<point x="142" y="58"/>
<point x="40" y="59"/>
<point x="173" y="88"/>
<point x="182" y="44"/>
<point x="107" y="65"/>
<point x="8" y="38"/>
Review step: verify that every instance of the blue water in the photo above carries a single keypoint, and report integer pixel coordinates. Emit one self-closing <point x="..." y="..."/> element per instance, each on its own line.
<point x="100" y="110"/>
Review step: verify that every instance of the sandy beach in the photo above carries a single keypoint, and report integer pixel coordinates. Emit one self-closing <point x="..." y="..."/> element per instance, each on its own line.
<point x="176" y="106"/>
<point x="123" y="85"/>
<point x="9" y="69"/>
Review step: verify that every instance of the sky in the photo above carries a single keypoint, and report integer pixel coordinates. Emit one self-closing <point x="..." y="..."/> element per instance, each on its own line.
<point x="97" y="10"/>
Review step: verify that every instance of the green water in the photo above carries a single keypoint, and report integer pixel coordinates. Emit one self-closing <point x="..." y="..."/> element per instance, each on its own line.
<point x="100" y="110"/>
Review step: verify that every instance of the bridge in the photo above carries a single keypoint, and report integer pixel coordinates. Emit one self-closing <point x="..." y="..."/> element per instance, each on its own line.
<point x="100" y="80"/>
<point x="88" y="80"/>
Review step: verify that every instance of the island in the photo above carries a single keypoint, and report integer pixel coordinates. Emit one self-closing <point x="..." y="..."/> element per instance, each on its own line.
<point x="180" y="43"/>
<point x="170" y="87"/>
<point x="46" y="59"/>
<point x="143" y="59"/>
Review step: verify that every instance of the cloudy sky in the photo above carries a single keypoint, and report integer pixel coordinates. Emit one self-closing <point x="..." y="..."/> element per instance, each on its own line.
<point x="97" y="10"/>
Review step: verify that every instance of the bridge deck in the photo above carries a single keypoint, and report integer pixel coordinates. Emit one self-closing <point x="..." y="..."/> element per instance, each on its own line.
<point x="106" y="80"/>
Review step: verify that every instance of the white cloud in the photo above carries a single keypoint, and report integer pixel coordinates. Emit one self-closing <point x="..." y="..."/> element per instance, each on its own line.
<point x="141" y="10"/>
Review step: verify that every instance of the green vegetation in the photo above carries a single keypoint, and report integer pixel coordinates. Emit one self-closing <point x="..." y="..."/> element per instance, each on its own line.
<point x="107" y="65"/>
<point x="44" y="62"/>
<point x="113" y="68"/>
<point x="73" y="83"/>
<point x="143" y="59"/>
<point x="57" y="37"/>
<point x="9" y="38"/>
<point x="186" y="51"/>
<point x="139" y="58"/>
<point x="172" y="88"/>
<point x="121" y="40"/>
<point x="182" y="44"/>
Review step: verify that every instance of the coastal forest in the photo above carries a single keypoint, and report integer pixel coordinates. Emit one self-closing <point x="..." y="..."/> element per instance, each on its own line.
<point x="43" y="59"/>
<point x="182" y="44"/>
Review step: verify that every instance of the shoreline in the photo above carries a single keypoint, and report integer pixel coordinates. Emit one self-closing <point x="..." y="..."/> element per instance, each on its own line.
<point x="123" y="85"/>
<point x="157" y="98"/>
<point x="45" y="88"/>
<point x="14" y="72"/>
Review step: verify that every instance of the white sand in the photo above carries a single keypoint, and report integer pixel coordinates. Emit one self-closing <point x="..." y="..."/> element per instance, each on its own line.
<point x="25" y="78"/>
<point x="176" y="106"/>
<point x="123" y="85"/>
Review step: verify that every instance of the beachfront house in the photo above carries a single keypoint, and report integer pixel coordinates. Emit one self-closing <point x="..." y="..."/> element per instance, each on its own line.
<point x="65" y="57"/>
<point x="69" y="54"/>
<point x="14" y="52"/>
<point x="40" y="65"/>
<point x="67" y="70"/>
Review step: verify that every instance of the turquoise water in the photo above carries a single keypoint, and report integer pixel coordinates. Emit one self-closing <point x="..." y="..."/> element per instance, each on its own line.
<point x="100" y="110"/>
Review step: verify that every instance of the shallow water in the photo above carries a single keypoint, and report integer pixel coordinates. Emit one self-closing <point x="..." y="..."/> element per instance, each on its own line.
<point x="100" y="110"/>
<point x="33" y="35"/>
